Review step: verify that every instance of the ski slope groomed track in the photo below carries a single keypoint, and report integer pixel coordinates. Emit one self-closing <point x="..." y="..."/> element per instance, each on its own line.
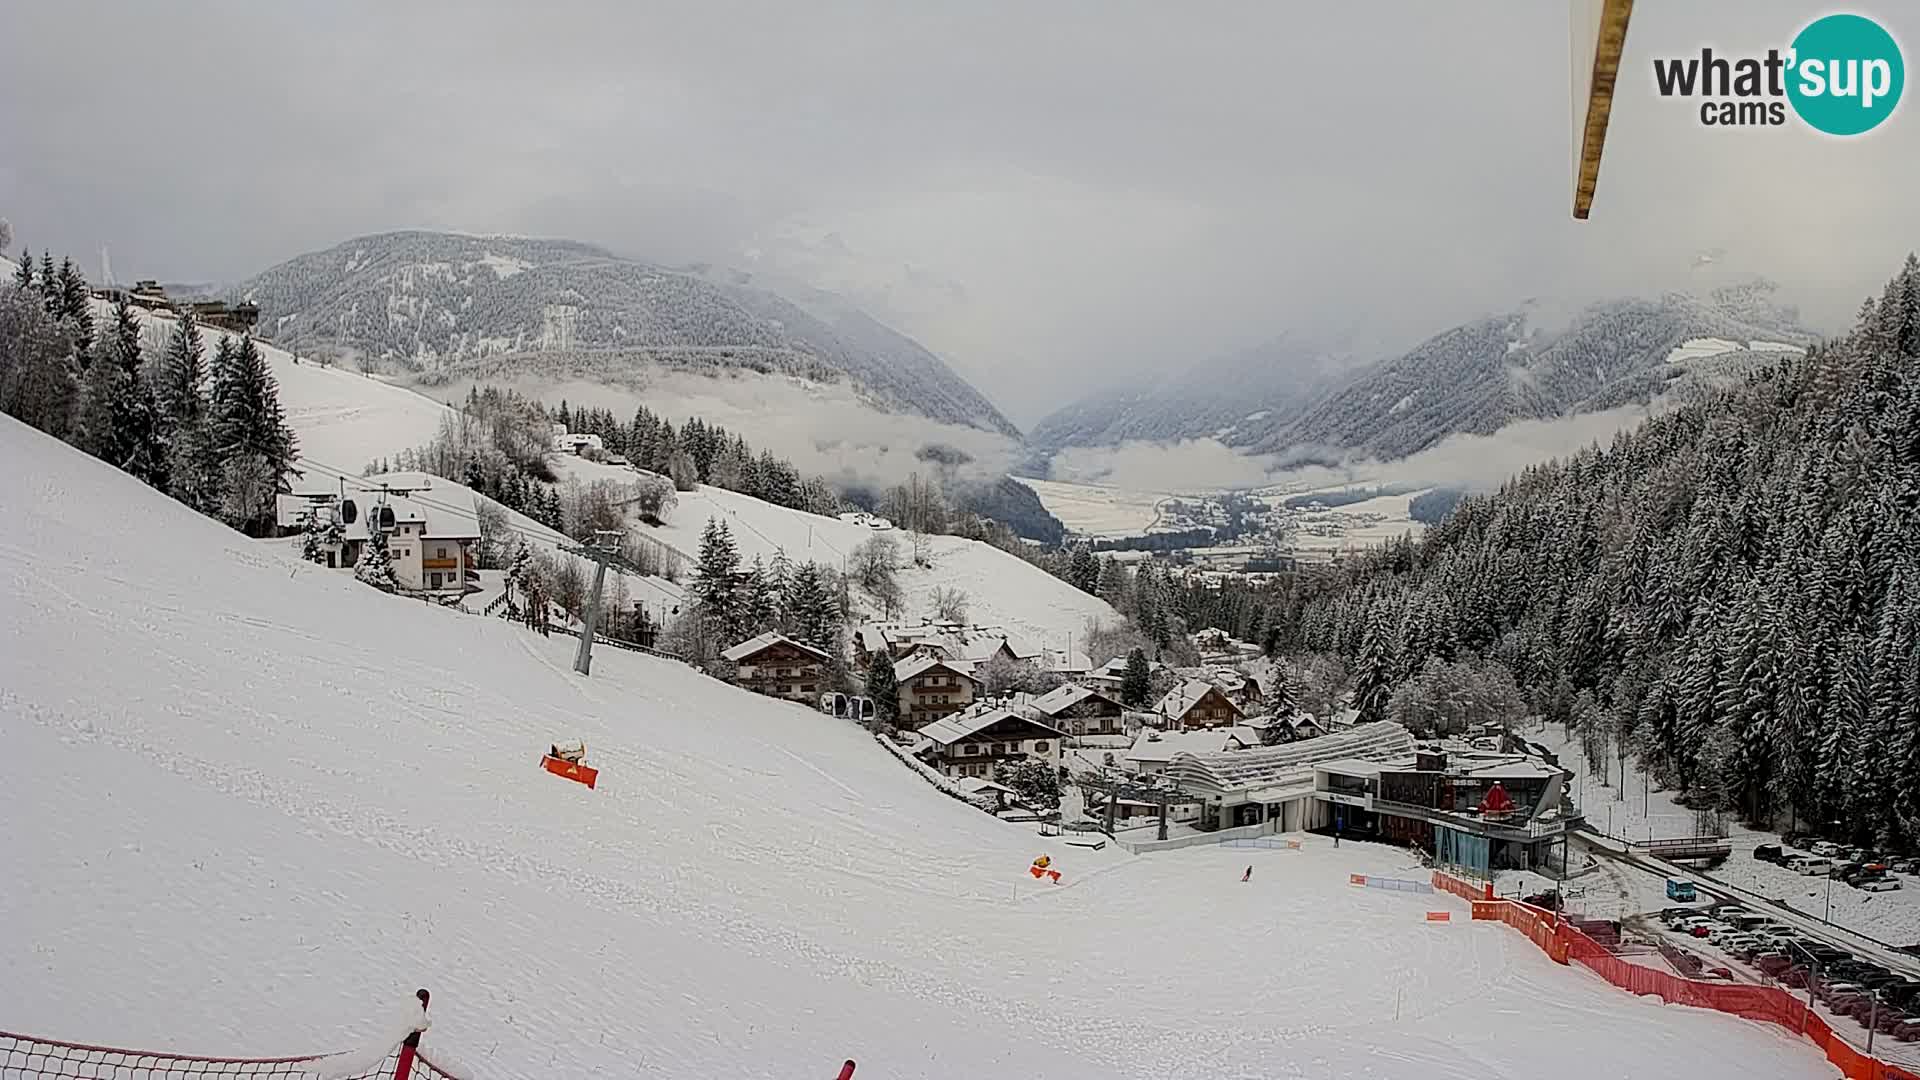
<point x="247" y="806"/>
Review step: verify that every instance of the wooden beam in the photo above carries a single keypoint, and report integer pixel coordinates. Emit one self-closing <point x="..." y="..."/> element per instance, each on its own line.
<point x="1612" y="41"/>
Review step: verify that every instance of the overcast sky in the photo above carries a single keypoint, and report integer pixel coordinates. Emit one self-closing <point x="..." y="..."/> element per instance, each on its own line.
<point x="1047" y="194"/>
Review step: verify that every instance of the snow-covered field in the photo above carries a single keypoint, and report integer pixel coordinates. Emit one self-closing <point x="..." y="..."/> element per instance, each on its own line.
<point x="1098" y="510"/>
<point x="1002" y="590"/>
<point x="249" y="805"/>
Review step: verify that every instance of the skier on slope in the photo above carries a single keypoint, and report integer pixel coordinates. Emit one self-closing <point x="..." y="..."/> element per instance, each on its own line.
<point x="1248" y="876"/>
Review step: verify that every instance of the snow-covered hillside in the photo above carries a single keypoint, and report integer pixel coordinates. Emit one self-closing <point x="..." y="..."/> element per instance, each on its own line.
<point x="247" y="805"/>
<point x="1004" y="591"/>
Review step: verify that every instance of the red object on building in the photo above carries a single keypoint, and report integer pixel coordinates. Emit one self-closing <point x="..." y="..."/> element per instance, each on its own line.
<point x="1497" y="801"/>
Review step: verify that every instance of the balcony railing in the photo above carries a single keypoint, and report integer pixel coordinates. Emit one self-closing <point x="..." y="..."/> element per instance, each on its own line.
<point x="1515" y="829"/>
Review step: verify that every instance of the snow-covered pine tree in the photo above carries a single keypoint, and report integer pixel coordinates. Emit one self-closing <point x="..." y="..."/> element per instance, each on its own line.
<point x="23" y="273"/>
<point x="376" y="565"/>
<point x="76" y="309"/>
<point x="49" y="283"/>
<point x="757" y="611"/>
<point x="714" y="588"/>
<point x="1136" y="679"/>
<point x="1083" y="571"/>
<point x="192" y="462"/>
<point x="1373" y="684"/>
<point x="250" y="432"/>
<point x="884" y="689"/>
<point x="779" y="586"/>
<point x="812" y="611"/>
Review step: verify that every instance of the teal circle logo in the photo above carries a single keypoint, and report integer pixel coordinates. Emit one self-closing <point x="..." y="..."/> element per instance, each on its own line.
<point x="1846" y="74"/>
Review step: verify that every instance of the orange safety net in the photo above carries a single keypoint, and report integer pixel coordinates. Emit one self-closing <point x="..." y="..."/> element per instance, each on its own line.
<point x="1771" y="1004"/>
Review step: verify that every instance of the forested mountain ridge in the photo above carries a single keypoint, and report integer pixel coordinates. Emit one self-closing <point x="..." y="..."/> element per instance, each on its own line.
<point x="1731" y="592"/>
<point x="424" y="300"/>
<point x="1470" y="379"/>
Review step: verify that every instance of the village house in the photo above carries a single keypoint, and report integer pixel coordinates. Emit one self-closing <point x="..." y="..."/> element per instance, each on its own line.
<point x="1080" y="710"/>
<point x="430" y="529"/>
<point x="931" y="688"/>
<point x="778" y="666"/>
<point x="1198" y="703"/>
<point x="972" y="743"/>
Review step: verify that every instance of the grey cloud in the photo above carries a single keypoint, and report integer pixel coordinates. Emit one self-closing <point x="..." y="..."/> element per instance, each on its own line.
<point x="1050" y="195"/>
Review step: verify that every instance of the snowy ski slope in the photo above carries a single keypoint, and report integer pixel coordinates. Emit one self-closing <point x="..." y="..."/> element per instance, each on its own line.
<point x="1004" y="591"/>
<point x="247" y="805"/>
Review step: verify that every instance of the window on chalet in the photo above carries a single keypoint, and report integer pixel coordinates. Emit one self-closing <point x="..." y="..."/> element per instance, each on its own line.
<point x="1040" y="747"/>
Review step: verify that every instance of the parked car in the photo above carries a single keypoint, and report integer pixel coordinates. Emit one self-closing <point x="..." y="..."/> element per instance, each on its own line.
<point x="1811" y="867"/>
<point x="1904" y="865"/>
<point x="1681" y="890"/>
<point x="1772" y="963"/>
<point x="1769" y="853"/>
<point x="1826" y="849"/>
<point x="1877" y="884"/>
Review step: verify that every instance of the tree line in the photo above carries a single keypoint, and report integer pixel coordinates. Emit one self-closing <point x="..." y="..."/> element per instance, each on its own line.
<point x="1731" y="592"/>
<point x="208" y="431"/>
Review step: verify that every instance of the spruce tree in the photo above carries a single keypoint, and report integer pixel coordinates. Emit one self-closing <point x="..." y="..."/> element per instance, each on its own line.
<point x="812" y="614"/>
<point x="1373" y="687"/>
<point x="757" y="611"/>
<point x="376" y="565"/>
<point x="23" y="273"/>
<point x="192" y="461"/>
<point x="76" y="307"/>
<point x="49" y="284"/>
<point x="249" y="431"/>
<point x="1136" y="682"/>
<point x="884" y="690"/>
<point x="714" y="588"/>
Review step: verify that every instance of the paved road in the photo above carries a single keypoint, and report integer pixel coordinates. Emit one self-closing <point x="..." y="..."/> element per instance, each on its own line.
<point x="1837" y="936"/>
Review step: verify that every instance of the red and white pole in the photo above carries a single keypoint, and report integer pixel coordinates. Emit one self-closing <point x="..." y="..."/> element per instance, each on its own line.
<point x="410" y="1046"/>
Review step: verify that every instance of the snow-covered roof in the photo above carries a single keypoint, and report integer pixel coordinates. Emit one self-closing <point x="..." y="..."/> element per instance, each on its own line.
<point x="1184" y="697"/>
<point x="1288" y="765"/>
<point x="755" y="644"/>
<point x="921" y="664"/>
<point x="871" y="638"/>
<point x="1161" y="746"/>
<point x="951" y="729"/>
<point x="1072" y="663"/>
<point x="1061" y="698"/>
<point x="974" y="785"/>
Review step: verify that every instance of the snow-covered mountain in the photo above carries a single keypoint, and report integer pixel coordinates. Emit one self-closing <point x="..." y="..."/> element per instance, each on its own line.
<point x="249" y="805"/>
<point x="430" y="301"/>
<point x="1472" y="379"/>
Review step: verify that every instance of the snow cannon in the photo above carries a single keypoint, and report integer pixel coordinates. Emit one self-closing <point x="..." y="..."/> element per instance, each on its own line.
<point x="1043" y="868"/>
<point x="567" y="760"/>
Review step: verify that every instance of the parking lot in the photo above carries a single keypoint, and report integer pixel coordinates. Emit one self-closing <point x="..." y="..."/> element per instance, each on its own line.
<point x="1719" y="939"/>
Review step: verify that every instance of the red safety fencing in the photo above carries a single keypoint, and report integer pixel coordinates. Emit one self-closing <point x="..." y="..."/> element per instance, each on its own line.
<point x="23" y="1056"/>
<point x="1563" y="943"/>
<point x="1465" y="890"/>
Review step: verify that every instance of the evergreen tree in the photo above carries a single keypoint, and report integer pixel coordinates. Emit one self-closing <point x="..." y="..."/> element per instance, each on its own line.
<point x="1136" y="682"/>
<point x="76" y="308"/>
<point x="249" y="428"/>
<point x="192" y="466"/>
<point x="757" y="611"/>
<point x="50" y="296"/>
<point x="779" y="587"/>
<point x="1083" y="571"/>
<point x="714" y="588"/>
<point x="1373" y="687"/>
<point x="1283" y="697"/>
<point x="812" y="613"/>
<point x="884" y="690"/>
<point x="376" y="565"/>
<point x="38" y="384"/>
<point x="23" y="273"/>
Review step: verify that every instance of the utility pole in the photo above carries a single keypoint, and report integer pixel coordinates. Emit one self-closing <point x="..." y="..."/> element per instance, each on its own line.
<point x="605" y="552"/>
